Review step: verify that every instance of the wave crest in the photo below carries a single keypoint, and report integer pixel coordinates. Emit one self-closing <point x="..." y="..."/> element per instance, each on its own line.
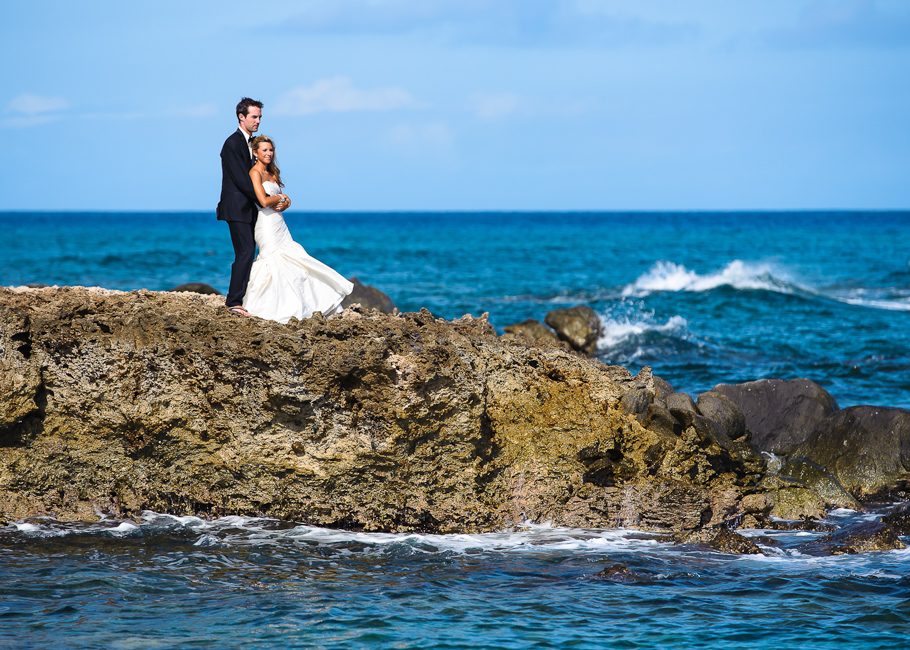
<point x="669" y="276"/>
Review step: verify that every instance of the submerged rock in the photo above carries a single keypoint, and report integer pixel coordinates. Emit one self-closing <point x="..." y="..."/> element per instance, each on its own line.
<point x="621" y="573"/>
<point x="780" y="414"/>
<point x="866" y="448"/>
<point x="578" y="326"/>
<point x="723" y="540"/>
<point x="120" y="402"/>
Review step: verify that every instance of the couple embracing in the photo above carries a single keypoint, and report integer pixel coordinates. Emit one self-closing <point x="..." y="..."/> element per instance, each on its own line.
<point x="283" y="281"/>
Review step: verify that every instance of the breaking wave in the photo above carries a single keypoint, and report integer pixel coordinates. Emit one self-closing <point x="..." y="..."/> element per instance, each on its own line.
<point x="669" y="276"/>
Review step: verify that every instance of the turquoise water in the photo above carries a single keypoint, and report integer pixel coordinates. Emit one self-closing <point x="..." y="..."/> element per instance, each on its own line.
<point x="703" y="298"/>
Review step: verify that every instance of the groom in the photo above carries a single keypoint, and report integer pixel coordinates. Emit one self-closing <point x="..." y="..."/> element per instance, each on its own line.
<point x="238" y="205"/>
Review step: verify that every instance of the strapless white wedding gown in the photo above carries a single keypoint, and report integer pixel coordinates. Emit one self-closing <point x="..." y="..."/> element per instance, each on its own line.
<point x="285" y="280"/>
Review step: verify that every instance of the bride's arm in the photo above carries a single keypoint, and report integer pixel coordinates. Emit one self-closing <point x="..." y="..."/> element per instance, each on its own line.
<point x="264" y="199"/>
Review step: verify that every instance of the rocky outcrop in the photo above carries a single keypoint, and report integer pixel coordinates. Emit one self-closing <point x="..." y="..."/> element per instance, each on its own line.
<point x="119" y="402"/>
<point x="578" y="326"/>
<point x="779" y="414"/>
<point x="865" y="448"/>
<point x="368" y="297"/>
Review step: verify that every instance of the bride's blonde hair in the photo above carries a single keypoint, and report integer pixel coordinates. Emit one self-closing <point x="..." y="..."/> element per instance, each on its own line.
<point x="271" y="167"/>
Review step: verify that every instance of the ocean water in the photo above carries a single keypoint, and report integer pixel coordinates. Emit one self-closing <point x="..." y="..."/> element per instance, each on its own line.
<point x="702" y="298"/>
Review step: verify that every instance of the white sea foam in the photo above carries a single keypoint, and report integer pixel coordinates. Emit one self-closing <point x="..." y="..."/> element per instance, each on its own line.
<point x="668" y="276"/>
<point x="900" y="304"/>
<point x="619" y="329"/>
<point x="257" y="531"/>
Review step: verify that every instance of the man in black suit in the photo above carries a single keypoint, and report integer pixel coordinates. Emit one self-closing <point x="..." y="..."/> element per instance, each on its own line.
<point x="238" y="205"/>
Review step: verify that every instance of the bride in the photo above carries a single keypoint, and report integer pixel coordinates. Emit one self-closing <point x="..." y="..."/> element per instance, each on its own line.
<point x="285" y="281"/>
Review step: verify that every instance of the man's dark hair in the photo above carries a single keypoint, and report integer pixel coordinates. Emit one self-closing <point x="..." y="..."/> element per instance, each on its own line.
<point x="245" y="104"/>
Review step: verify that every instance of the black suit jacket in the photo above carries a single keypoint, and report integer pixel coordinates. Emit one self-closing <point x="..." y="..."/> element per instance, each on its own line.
<point x="238" y="199"/>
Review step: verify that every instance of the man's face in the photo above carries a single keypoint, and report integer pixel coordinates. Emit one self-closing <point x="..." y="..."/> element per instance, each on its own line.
<point x="250" y="121"/>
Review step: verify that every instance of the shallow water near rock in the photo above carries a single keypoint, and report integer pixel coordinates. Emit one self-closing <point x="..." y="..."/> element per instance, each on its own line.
<point x="177" y="582"/>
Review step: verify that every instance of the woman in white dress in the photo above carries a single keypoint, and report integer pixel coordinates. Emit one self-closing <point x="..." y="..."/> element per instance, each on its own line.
<point x="285" y="281"/>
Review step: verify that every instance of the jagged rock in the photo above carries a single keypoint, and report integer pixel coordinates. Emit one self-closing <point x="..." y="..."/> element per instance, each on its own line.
<point x="578" y="326"/>
<point x="119" y="402"/>
<point x="662" y="421"/>
<point x="821" y="482"/>
<point x="723" y="410"/>
<point x="368" y="297"/>
<point x="635" y="401"/>
<point x="752" y="459"/>
<point x="899" y="519"/>
<point x="780" y="414"/>
<point x="866" y="448"/>
<point x="198" y="287"/>
<point x="708" y="430"/>
<point x="536" y="333"/>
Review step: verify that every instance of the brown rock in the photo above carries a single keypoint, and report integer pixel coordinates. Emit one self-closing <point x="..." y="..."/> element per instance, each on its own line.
<point x="578" y="326"/>
<point x="120" y="402"/>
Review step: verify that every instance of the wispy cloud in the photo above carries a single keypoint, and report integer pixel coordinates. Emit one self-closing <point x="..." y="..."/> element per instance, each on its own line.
<point x="339" y="95"/>
<point x="844" y="23"/>
<point x="494" y="106"/>
<point x="434" y="138"/>
<point x="510" y="23"/>
<point x="28" y="109"/>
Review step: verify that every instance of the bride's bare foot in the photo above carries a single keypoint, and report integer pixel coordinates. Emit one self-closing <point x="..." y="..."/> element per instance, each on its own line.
<point x="239" y="310"/>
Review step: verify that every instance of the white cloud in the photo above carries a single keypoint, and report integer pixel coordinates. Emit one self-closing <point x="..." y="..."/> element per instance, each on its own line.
<point x="28" y="109"/>
<point x="421" y="138"/>
<point x="491" y="107"/>
<point x="339" y="95"/>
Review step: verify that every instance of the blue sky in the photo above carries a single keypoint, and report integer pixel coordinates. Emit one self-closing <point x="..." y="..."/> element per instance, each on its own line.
<point x="462" y="104"/>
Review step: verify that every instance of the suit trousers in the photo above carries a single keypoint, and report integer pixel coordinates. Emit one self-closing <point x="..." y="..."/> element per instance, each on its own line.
<point x="242" y="236"/>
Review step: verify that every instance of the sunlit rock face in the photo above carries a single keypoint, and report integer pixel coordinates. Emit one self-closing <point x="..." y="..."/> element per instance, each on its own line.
<point x="117" y="402"/>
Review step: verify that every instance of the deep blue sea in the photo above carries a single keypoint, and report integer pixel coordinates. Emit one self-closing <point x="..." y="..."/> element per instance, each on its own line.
<point x="703" y="298"/>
